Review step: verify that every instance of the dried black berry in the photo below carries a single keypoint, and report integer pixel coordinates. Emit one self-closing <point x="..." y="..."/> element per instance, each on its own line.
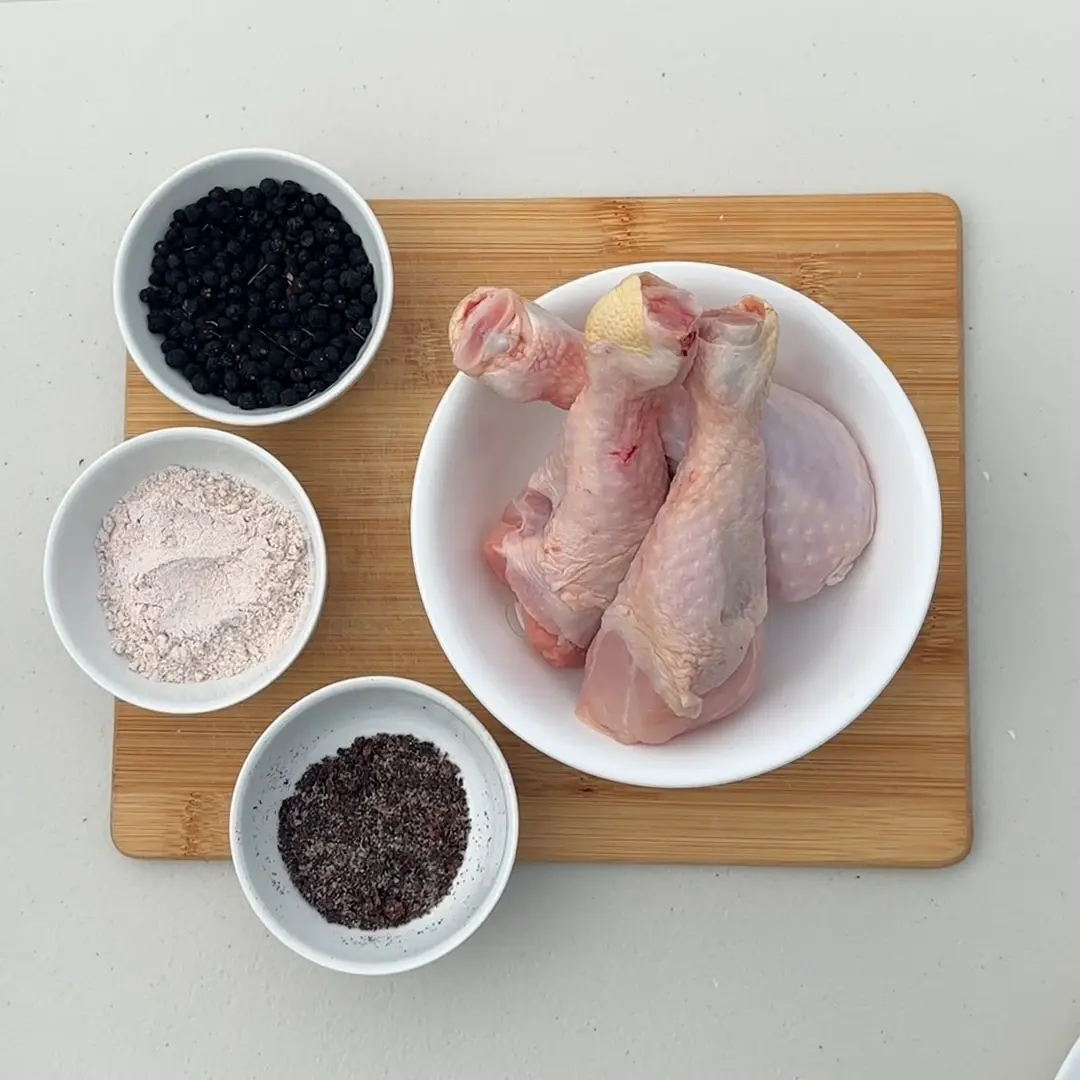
<point x="248" y="288"/>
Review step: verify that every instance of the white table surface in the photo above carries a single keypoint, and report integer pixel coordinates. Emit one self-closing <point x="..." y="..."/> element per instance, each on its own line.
<point x="113" y="969"/>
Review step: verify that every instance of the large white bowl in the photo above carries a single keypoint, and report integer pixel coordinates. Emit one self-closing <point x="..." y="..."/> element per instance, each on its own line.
<point x="72" y="578"/>
<point x="826" y="659"/>
<point x="317" y="727"/>
<point x="228" y="169"/>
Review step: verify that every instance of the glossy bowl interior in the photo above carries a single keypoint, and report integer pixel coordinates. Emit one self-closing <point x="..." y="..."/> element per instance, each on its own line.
<point x="71" y="570"/>
<point x="239" y="168"/>
<point x="317" y="727"/>
<point x="825" y="659"/>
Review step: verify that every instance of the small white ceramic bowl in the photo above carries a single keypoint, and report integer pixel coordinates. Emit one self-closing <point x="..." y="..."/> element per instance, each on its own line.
<point x="72" y="578"/>
<point x="317" y="727"/>
<point x="238" y="168"/>
<point x="826" y="659"/>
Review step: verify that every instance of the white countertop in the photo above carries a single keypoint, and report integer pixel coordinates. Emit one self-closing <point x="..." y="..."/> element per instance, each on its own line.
<point x="115" y="969"/>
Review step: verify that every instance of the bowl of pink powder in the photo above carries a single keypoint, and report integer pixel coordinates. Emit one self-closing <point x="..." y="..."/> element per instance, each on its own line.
<point x="185" y="570"/>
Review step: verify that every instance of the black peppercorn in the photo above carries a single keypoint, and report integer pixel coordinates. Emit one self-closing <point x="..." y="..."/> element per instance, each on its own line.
<point x="261" y="278"/>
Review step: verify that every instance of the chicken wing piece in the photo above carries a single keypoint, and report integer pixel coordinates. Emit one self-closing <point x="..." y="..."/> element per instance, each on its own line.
<point x="565" y="573"/>
<point x="676" y="649"/>
<point x="524" y="353"/>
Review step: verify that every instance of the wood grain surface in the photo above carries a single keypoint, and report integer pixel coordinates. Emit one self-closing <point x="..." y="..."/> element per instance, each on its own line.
<point x="891" y="790"/>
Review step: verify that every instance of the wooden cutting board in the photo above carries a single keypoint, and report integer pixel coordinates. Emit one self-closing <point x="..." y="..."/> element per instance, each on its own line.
<point x="891" y="790"/>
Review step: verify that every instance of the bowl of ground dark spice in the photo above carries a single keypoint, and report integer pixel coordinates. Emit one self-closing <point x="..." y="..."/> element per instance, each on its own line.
<point x="185" y="570"/>
<point x="253" y="287"/>
<point x="374" y="825"/>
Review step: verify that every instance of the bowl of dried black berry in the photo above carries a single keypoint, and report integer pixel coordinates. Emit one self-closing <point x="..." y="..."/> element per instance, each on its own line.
<point x="253" y="287"/>
<point x="374" y="825"/>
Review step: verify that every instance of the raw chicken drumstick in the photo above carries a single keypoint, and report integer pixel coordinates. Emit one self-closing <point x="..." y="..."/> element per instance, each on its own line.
<point x="565" y="570"/>
<point x="517" y="348"/>
<point x="819" y="498"/>
<point x="677" y="649"/>
<point x="525" y="353"/>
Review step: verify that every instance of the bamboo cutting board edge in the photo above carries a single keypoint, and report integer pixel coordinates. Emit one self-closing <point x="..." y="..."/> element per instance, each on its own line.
<point x="943" y="839"/>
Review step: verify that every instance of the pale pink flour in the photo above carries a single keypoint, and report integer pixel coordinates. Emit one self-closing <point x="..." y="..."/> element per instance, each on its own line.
<point x="202" y="575"/>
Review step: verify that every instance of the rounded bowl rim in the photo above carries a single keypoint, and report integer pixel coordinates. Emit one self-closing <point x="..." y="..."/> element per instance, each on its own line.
<point x="636" y="771"/>
<point x="507" y="857"/>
